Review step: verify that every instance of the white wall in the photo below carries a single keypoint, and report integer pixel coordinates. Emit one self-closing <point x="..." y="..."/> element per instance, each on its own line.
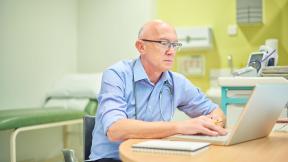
<point x="108" y="30"/>
<point x="38" y="44"/>
<point x="42" y="40"/>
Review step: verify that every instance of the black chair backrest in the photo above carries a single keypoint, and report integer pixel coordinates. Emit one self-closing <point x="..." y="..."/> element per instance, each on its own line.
<point x="88" y="126"/>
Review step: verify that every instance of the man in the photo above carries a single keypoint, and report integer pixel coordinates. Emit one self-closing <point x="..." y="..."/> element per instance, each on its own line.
<point x="138" y="97"/>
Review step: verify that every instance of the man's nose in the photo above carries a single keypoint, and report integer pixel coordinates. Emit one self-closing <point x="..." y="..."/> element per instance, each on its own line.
<point x="171" y="51"/>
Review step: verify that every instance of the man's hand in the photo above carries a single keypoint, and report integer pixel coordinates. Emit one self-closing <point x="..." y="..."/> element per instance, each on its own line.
<point x="218" y="116"/>
<point x="216" y="120"/>
<point x="200" y="125"/>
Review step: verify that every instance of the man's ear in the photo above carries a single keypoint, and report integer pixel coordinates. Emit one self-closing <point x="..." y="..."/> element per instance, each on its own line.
<point x="139" y="46"/>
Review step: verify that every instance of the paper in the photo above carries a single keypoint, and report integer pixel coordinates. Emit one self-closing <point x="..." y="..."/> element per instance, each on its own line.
<point x="169" y="146"/>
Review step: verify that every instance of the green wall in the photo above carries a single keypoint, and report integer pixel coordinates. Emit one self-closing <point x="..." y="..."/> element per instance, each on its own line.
<point x="218" y="15"/>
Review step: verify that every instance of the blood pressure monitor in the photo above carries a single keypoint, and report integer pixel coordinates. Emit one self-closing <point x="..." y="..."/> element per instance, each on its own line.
<point x="255" y="60"/>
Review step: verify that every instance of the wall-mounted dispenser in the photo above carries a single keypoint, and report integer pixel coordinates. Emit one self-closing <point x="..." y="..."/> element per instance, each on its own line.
<point x="195" y="38"/>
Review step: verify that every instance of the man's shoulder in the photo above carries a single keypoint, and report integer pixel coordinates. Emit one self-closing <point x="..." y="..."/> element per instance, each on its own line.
<point x="121" y="66"/>
<point x="120" y="69"/>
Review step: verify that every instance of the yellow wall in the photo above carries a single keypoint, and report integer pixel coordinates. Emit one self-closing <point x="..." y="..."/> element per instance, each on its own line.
<point x="218" y="15"/>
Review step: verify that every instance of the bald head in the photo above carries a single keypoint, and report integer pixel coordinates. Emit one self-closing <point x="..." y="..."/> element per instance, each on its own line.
<point x="154" y="45"/>
<point x="154" y="28"/>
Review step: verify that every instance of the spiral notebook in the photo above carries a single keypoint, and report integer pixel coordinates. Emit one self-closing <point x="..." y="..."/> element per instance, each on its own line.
<point x="170" y="147"/>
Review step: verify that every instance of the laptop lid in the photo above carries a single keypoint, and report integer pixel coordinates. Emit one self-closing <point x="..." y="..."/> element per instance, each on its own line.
<point x="257" y="119"/>
<point x="260" y="113"/>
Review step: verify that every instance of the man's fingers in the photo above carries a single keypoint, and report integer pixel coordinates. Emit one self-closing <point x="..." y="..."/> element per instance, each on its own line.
<point x="219" y="123"/>
<point x="216" y="119"/>
<point x="209" y="132"/>
<point x="213" y="127"/>
<point x="203" y="125"/>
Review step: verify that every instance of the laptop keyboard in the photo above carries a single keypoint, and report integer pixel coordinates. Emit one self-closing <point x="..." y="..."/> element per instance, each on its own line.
<point x="204" y="137"/>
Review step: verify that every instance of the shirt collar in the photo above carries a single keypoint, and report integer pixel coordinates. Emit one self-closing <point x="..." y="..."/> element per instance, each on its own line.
<point x="138" y="71"/>
<point x="165" y="77"/>
<point x="140" y="74"/>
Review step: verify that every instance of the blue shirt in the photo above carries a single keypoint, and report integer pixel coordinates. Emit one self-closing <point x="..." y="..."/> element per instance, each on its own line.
<point x="124" y="81"/>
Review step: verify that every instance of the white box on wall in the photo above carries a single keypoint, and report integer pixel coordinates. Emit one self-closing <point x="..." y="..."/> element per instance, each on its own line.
<point x="191" y="65"/>
<point x="249" y="11"/>
<point x="195" y="38"/>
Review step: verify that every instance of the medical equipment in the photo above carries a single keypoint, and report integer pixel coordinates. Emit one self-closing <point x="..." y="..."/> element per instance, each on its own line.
<point x="275" y="71"/>
<point x="266" y="56"/>
<point x="247" y="72"/>
<point x="168" y="87"/>
<point x="71" y="98"/>
<point x="26" y="119"/>
<point x="160" y="101"/>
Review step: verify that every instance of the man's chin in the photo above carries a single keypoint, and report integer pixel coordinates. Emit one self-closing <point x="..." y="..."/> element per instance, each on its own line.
<point x="166" y="68"/>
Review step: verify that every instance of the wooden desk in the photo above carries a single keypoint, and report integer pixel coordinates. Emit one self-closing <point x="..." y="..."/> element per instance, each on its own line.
<point x="270" y="149"/>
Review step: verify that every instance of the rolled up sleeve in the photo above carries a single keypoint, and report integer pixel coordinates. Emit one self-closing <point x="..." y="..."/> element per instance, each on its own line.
<point x="112" y="104"/>
<point x="195" y="103"/>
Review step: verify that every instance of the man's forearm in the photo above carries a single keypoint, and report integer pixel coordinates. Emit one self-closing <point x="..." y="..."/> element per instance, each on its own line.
<point x="129" y="128"/>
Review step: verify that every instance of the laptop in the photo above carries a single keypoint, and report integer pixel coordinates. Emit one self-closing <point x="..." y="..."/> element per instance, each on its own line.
<point x="257" y="119"/>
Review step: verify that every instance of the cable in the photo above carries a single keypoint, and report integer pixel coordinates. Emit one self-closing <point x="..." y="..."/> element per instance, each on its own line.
<point x="268" y="56"/>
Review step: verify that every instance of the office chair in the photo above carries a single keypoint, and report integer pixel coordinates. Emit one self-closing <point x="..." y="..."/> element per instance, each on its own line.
<point x="88" y="126"/>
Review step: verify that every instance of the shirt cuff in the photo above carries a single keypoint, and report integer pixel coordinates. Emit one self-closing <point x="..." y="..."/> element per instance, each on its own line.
<point x="213" y="106"/>
<point x="110" y="117"/>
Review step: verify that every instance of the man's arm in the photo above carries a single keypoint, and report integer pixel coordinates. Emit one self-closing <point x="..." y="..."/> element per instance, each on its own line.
<point x="128" y="128"/>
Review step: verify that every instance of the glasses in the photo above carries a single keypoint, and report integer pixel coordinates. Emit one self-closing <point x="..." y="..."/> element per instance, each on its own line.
<point x="166" y="43"/>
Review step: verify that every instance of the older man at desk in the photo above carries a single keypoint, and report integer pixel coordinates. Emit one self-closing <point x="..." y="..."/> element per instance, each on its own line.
<point x="138" y="97"/>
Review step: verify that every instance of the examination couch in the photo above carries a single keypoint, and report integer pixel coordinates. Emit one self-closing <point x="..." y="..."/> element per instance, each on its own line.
<point x="65" y="104"/>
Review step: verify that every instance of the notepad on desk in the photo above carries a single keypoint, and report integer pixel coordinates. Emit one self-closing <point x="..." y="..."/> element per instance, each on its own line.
<point x="170" y="147"/>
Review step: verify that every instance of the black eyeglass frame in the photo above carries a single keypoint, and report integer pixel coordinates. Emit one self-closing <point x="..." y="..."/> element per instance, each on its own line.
<point x="174" y="45"/>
